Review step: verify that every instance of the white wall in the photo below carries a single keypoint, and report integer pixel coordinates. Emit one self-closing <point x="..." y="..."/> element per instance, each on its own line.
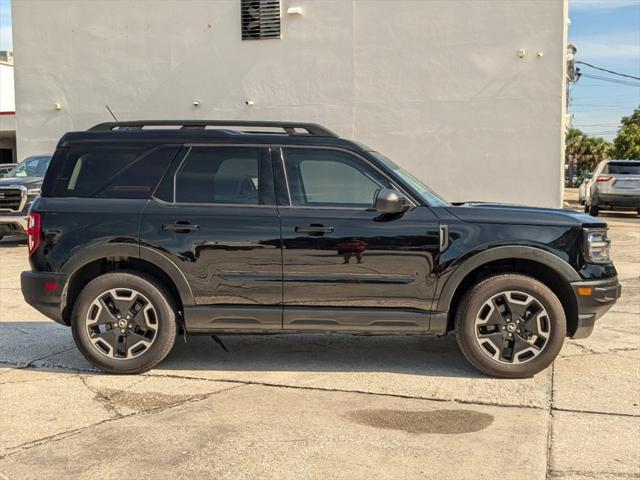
<point x="7" y="96"/>
<point x="436" y="85"/>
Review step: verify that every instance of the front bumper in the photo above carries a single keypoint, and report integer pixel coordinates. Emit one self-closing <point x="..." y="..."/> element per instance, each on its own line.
<point x="45" y="291"/>
<point x="594" y="298"/>
<point x="13" y="224"/>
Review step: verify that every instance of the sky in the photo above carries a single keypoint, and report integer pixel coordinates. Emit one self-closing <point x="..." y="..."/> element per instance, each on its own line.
<point x="5" y="25"/>
<point x="607" y="34"/>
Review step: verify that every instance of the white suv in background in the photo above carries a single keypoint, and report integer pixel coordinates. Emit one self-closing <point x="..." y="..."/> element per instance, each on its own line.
<point x="615" y="184"/>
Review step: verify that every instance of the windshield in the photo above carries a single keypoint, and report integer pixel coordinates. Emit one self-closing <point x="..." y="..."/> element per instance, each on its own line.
<point x="428" y="195"/>
<point x="31" y="167"/>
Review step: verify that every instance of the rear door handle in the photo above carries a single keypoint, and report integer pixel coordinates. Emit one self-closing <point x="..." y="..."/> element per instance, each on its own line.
<point x="314" y="229"/>
<point x="181" y="226"/>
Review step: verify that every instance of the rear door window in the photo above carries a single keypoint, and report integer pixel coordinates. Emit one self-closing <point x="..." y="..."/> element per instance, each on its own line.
<point x="224" y="175"/>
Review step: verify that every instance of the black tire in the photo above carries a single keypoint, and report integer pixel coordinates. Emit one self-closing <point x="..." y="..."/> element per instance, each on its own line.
<point x="586" y="208"/>
<point x="593" y="210"/>
<point x="470" y="307"/>
<point x="163" y="320"/>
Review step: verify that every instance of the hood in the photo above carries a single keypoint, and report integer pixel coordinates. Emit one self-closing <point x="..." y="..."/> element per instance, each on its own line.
<point x="478" y="212"/>
<point x="29" y="182"/>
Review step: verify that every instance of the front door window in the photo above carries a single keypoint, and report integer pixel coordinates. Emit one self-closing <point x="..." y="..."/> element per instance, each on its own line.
<point x="330" y="178"/>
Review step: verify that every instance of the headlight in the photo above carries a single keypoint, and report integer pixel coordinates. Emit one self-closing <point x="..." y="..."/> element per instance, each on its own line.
<point x="33" y="192"/>
<point x="596" y="246"/>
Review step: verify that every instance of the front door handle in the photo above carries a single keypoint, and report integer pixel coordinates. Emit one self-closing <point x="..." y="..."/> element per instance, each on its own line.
<point x="181" y="226"/>
<point x="314" y="229"/>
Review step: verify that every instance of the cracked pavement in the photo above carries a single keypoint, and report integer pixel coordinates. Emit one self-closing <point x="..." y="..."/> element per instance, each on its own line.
<point x="320" y="406"/>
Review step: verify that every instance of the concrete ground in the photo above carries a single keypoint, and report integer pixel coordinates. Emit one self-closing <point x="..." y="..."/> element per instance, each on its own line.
<point x="320" y="406"/>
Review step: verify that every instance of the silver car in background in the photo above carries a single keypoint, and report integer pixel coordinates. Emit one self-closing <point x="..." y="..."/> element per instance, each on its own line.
<point x="615" y="185"/>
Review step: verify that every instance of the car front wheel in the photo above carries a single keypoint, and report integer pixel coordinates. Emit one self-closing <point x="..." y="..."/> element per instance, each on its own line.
<point x="510" y="326"/>
<point x="124" y="322"/>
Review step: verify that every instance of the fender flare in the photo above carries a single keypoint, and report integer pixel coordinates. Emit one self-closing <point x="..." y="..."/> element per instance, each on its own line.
<point x="165" y="264"/>
<point x="562" y="268"/>
<point x="132" y="250"/>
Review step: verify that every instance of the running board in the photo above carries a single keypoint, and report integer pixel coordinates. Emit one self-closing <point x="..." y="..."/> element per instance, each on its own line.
<point x="226" y="318"/>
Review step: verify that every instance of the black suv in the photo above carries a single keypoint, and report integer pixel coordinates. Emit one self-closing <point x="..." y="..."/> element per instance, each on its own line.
<point x="146" y="229"/>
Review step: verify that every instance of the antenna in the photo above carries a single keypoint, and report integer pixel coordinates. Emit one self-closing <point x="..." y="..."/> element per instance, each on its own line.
<point x="114" y="117"/>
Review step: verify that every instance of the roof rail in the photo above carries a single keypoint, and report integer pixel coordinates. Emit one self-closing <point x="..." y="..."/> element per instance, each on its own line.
<point x="290" y="128"/>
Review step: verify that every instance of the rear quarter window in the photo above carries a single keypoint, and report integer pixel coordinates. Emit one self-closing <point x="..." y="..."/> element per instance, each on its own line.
<point x="108" y="172"/>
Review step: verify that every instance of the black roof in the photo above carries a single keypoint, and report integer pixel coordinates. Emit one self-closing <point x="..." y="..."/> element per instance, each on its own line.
<point x="290" y="128"/>
<point x="194" y="131"/>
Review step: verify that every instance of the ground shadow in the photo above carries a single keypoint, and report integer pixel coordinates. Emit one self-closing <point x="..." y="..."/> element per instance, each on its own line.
<point x="424" y="355"/>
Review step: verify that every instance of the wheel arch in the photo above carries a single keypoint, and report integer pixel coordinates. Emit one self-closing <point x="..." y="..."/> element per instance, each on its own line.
<point x="106" y="258"/>
<point x="546" y="267"/>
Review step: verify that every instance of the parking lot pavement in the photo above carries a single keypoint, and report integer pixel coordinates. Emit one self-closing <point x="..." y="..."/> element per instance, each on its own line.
<point x="320" y="406"/>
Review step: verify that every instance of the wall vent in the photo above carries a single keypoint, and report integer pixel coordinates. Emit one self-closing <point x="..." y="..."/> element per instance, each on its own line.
<point x="260" y="19"/>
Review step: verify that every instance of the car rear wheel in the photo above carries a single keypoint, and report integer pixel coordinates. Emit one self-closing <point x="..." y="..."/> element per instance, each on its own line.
<point x="510" y="326"/>
<point x="124" y="322"/>
<point x="593" y="210"/>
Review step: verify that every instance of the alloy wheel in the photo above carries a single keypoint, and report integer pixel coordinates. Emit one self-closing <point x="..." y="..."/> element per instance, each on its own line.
<point x="122" y="323"/>
<point x="512" y="327"/>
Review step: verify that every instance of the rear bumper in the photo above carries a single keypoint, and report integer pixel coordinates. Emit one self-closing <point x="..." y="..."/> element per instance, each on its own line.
<point x="594" y="298"/>
<point x="615" y="200"/>
<point x="13" y="224"/>
<point x="44" y="291"/>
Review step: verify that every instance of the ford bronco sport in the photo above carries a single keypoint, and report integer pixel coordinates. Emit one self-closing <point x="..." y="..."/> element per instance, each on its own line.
<point x="145" y="229"/>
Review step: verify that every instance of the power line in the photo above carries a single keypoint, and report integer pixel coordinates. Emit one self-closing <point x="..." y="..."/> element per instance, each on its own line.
<point x="600" y="133"/>
<point x="629" y="95"/>
<point x="599" y="85"/>
<point x="594" y="104"/>
<point x="611" y="80"/>
<point x="595" y="108"/>
<point x="597" y="124"/>
<point x="608" y="71"/>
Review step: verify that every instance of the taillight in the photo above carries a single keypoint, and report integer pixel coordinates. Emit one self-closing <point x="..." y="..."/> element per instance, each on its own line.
<point x="33" y="231"/>
<point x="603" y="178"/>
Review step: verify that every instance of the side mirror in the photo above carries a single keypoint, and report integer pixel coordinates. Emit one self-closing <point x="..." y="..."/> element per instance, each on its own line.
<point x="391" y="201"/>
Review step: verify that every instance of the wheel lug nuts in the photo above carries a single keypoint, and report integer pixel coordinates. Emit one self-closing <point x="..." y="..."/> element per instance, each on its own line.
<point x="518" y="330"/>
<point x="503" y="327"/>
